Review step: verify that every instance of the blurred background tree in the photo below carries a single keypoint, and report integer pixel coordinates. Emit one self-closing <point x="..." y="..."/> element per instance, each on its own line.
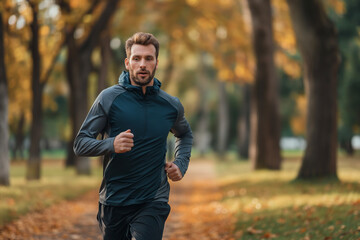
<point x="59" y="59"/>
<point x="265" y="135"/>
<point x="319" y="49"/>
<point x="349" y="82"/>
<point x="4" y="133"/>
<point x="82" y="37"/>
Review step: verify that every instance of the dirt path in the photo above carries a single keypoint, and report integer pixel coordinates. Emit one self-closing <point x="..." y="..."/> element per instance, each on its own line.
<point x="66" y="220"/>
<point x="196" y="214"/>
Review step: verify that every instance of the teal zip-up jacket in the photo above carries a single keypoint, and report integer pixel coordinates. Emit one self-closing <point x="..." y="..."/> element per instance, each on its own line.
<point x="137" y="176"/>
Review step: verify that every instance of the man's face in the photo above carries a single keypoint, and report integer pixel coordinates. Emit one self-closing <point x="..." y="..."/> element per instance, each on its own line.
<point x="142" y="64"/>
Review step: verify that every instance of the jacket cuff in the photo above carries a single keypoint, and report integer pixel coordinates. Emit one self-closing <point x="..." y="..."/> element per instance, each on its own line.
<point x="182" y="166"/>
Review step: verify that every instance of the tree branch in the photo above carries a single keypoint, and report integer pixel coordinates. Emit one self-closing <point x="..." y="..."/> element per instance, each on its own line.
<point x="46" y="75"/>
<point x="66" y="8"/>
<point x="100" y="25"/>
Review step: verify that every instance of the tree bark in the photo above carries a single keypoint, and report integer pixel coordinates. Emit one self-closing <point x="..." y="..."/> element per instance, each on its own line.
<point x="105" y="61"/>
<point x="4" y="131"/>
<point x="19" y="137"/>
<point x="244" y="123"/>
<point x="79" y="67"/>
<point x="72" y="75"/>
<point x="169" y="69"/>
<point x="347" y="146"/>
<point x="202" y="134"/>
<point x="79" y="101"/>
<point x="223" y="120"/>
<point x="345" y="135"/>
<point x="33" y="170"/>
<point x="265" y="117"/>
<point x="317" y="41"/>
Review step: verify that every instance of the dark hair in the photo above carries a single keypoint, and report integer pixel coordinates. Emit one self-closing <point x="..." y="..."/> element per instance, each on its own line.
<point x="142" y="39"/>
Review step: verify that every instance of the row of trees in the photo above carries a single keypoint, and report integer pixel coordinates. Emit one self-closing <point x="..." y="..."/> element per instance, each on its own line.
<point x="217" y="33"/>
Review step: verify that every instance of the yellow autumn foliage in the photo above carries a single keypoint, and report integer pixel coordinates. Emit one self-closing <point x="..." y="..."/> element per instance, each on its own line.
<point x="17" y="62"/>
<point x="290" y="66"/>
<point x="298" y="121"/>
<point x="338" y="6"/>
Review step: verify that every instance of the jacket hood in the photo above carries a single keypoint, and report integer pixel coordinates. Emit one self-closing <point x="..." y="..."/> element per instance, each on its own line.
<point x="124" y="81"/>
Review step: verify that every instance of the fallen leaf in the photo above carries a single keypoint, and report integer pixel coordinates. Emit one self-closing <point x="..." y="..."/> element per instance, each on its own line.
<point x="239" y="234"/>
<point x="357" y="202"/>
<point x="254" y="231"/>
<point x="269" y="235"/>
<point x="258" y="218"/>
<point x="281" y="220"/>
<point x="10" y="201"/>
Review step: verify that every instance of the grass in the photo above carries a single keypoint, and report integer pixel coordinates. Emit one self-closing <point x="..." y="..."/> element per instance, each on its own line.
<point x="268" y="204"/>
<point x="57" y="184"/>
<point x="58" y="154"/>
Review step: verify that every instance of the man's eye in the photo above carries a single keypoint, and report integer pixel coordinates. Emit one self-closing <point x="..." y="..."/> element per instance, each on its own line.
<point x="149" y="58"/>
<point x="136" y="58"/>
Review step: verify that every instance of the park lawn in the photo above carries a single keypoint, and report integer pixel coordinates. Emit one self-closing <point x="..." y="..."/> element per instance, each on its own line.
<point x="57" y="183"/>
<point x="270" y="205"/>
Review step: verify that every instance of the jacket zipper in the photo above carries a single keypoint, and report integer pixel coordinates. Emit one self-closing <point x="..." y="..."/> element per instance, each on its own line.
<point x="145" y="114"/>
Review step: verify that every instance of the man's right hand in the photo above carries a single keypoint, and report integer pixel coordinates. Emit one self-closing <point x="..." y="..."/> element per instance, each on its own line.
<point x="124" y="142"/>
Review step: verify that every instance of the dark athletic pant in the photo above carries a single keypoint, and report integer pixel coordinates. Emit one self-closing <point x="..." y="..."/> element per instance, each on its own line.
<point x="141" y="222"/>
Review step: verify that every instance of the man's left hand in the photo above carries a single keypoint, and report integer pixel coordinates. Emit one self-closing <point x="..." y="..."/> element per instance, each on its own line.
<point x="173" y="171"/>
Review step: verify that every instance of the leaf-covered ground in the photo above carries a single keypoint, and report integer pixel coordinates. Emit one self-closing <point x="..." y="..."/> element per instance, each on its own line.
<point x="57" y="183"/>
<point x="197" y="209"/>
<point x="65" y="220"/>
<point x="197" y="213"/>
<point x="270" y="205"/>
<point x="233" y="203"/>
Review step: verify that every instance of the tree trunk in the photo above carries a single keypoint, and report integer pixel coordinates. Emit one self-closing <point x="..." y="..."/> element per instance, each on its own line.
<point x="79" y="67"/>
<point x="71" y="74"/>
<point x="347" y="146"/>
<point x="202" y="134"/>
<point x="78" y="102"/>
<point x="19" y="137"/>
<point x="244" y="123"/>
<point x="317" y="41"/>
<point x="345" y="135"/>
<point x="105" y="61"/>
<point x="169" y="69"/>
<point x="265" y="117"/>
<point x="33" y="170"/>
<point x="4" y="131"/>
<point x="223" y="120"/>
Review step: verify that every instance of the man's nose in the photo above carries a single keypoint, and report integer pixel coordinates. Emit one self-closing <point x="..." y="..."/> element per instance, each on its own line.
<point x="142" y="63"/>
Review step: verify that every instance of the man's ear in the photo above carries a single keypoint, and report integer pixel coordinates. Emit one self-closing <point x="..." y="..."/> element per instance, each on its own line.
<point x="127" y="63"/>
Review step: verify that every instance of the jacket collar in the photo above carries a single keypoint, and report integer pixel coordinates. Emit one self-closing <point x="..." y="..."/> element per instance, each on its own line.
<point x="124" y="81"/>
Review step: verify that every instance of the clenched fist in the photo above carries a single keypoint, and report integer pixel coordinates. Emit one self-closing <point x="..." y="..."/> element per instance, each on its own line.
<point x="124" y="142"/>
<point x="173" y="171"/>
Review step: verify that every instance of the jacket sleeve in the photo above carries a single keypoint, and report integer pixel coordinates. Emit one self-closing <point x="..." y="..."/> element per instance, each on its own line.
<point x="184" y="140"/>
<point x="85" y="143"/>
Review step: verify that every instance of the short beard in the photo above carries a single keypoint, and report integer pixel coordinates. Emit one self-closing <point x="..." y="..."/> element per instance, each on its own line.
<point x="142" y="82"/>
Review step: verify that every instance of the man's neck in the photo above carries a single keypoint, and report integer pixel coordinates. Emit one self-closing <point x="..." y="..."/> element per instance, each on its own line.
<point x="151" y="83"/>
